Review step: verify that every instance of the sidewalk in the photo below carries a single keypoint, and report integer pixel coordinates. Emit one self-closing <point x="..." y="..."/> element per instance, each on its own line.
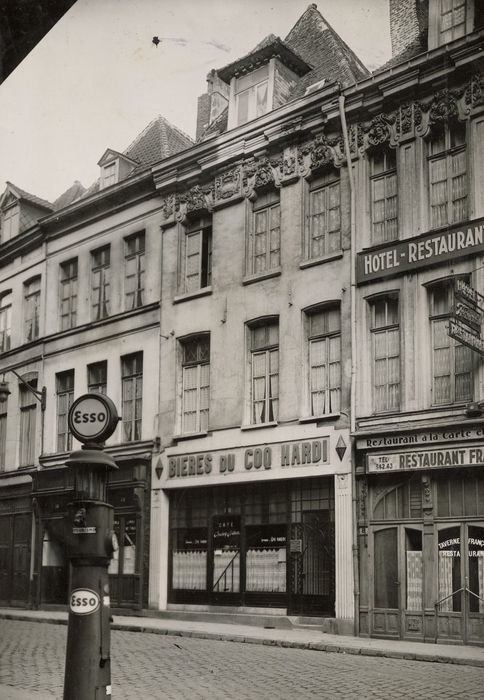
<point x="296" y="638"/>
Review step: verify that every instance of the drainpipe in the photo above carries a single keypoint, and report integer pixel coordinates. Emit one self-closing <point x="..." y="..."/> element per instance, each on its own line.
<point x="356" y="585"/>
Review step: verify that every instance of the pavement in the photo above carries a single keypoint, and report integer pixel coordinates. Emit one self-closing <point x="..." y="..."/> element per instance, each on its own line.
<point x="295" y="638"/>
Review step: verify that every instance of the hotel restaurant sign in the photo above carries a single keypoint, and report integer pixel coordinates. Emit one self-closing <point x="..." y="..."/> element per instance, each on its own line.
<point x="421" y="251"/>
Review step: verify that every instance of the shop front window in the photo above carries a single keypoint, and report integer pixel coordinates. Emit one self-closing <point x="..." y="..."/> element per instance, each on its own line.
<point x="475" y="555"/>
<point x="449" y="563"/>
<point x="124" y="560"/>
<point x="414" y="569"/>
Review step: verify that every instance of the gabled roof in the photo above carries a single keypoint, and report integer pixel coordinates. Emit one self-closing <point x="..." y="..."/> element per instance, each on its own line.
<point x="110" y="154"/>
<point x="75" y="191"/>
<point x="159" y="140"/>
<point x="318" y="44"/>
<point x="22" y="195"/>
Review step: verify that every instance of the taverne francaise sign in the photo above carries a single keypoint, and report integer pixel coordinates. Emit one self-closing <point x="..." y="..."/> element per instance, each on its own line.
<point x="421" y="251"/>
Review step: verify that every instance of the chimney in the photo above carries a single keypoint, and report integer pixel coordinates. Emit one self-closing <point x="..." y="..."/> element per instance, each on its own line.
<point x="408" y="25"/>
<point x="212" y="103"/>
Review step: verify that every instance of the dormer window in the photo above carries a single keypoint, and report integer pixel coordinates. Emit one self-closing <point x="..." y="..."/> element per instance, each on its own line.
<point x="10" y="222"/>
<point x="251" y="92"/>
<point x="109" y="174"/>
<point x="452" y="20"/>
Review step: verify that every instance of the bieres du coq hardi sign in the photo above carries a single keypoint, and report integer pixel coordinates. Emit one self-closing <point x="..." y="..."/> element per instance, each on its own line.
<point x="428" y="249"/>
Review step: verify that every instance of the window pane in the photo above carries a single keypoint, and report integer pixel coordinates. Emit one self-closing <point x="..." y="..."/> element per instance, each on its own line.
<point x="386" y="569"/>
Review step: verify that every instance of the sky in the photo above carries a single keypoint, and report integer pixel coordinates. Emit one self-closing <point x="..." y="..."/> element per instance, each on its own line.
<point x="97" y="80"/>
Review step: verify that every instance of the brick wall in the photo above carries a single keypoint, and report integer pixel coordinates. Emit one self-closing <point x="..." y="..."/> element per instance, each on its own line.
<point x="408" y="24"/>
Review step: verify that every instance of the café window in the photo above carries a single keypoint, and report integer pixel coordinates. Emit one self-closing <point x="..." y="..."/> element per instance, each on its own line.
<point x="452" y="365"/>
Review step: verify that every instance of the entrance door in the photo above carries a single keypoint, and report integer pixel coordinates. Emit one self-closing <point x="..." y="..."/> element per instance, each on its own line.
<point x="460" y="604"/>
<point x="226" y="558"/>
<point x="312" y="567"/>
<point x="124" y="567"/>
<point x="15" y="534"/>
<point x="397" y="573"/>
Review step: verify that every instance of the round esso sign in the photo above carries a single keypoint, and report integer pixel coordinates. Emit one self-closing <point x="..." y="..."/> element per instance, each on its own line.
<point x="84" y="601"/>
<point x="92" y="418"/>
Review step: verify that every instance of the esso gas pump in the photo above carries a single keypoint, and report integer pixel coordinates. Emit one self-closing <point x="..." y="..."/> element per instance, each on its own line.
<point x="91" y="542"/>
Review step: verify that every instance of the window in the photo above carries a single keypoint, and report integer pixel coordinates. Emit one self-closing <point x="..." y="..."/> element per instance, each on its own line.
<point x="385" y="341"/>
<point x="132" y="385"/>
<point x="97" y="377"/>
<point x="109" y="174"/>
<point x="100" y="272"/>
<point x="265" y="239"/>
<point x="196" y="256"/>
<point x="451" y="361"/>
<point x="5" y="321"/>
<point x="195" y="384"/>
<point x="3" y="436"/>
<point x="28" y="413"/>
<point x="448" y="176"/>
<point x="32" y="309"/>
<point x="384" y="214"/>
<point x="134" y="256"/>
<point x="68" y="294"/>
<point x="452" y="20"/>
<point x="324" y="337"/>
<point x="324" y="220"/>
<point x="251" y="95"/>
<point x="65" y="397"/>
<point x="10" y="224"/>
<point x="264" y="371"/>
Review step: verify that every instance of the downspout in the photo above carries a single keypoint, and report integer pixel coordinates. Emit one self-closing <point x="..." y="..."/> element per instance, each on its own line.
<point x="356" y="584"/>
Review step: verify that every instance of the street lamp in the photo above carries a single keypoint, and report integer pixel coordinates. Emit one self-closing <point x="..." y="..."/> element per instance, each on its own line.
<point x="5" y="392"/>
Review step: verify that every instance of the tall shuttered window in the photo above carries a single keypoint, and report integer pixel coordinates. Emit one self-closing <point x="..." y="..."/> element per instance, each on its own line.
<point x="264" y="371"/>
<point x="385" y="342"/>
<point x="452" y="367"/>
<point x="448" y="176"/>
<point x="195" y="384"/>
<point x="5" y="321"/>
<point x="132" y="386"/>
<point x="65" y="397"/>
<point x="265" y="239"/>
<point x="196" y="256"/>
<point x="452" y="20"/>
<point x="324" y="338"/>
<point x="384" y="201"/>
<point x="97" y="377"/>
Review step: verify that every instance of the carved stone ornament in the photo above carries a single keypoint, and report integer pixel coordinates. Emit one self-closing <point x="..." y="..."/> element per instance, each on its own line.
<point x="320" y="152"/>
<point x="227" y="185"/>
<point x="427" y="492"/>
<point x="258" y="173"/>
<point x="197" y="198"/>
<point x="168" y="206"/>
<point x="380" y="131"/>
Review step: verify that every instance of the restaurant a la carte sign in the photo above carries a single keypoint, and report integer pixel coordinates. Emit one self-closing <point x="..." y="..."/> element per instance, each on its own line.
<point x="421" y="251"/>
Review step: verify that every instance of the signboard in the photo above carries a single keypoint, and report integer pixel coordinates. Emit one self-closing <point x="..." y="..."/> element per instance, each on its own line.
<point x="460" y="332"/>
<point x="84" y="530"/>
<point x="421" y="251"/>
<point x="450" y="434"/>
<point x="84" y="601"/>
<point x="425" y="459"/>
<point x="92" y="418"/>
<point x="468" y="294"/>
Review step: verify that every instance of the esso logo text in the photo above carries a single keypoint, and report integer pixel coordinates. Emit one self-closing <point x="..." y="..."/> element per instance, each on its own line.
<point x="92" y="417"/>
<point x="83" y="601"/>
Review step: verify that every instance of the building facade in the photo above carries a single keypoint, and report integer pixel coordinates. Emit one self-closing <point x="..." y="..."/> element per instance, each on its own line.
<point x="293" y="344"/>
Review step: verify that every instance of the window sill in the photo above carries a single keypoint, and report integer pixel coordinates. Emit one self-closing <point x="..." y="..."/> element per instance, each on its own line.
<point x="324" y="258"/>
<point x="205" y="291"/>
<point x="190" y="436"/>
<point x="318" y="419"/>
<point x="257" y="426"/>
<point x="261" y="276"/>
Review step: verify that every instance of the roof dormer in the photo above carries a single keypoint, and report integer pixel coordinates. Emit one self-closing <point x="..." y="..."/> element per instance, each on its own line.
<point x="19" y="210"/>
<point x="449" y="20"/>
<point x="262" y="80"/>
<point x="115" y="167"/>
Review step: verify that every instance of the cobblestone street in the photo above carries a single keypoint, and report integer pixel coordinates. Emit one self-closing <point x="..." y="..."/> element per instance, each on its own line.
<point x="157" y="666"/>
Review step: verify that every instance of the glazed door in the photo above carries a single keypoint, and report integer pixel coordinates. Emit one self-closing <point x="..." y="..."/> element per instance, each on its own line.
<point x="225" y="564"/>
<point x="312" y="566"/>
<point x="397" y="576"/>
<point x="124" y="567"/>
<point x="459" y="609"/>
